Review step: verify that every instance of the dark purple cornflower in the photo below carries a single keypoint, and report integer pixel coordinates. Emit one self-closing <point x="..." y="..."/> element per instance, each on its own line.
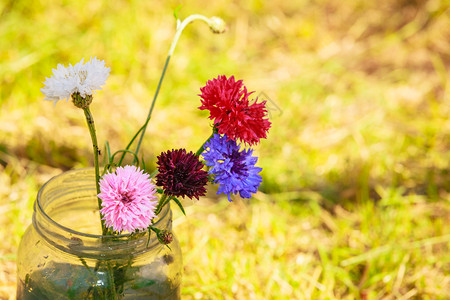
<point x="233" y="170"/>
<point x="181" y="174"/>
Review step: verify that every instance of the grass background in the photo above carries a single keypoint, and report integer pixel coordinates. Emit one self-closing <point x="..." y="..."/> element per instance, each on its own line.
<point x="355" y="202"/>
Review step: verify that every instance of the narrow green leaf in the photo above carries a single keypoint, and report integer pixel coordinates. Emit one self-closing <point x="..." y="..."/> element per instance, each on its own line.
<point x="179" y="205"/>
<point x="124" y="152"/>
<point x="175" y="12"/>
<point x="108" y="151"/>
<point x="154" y="173"/>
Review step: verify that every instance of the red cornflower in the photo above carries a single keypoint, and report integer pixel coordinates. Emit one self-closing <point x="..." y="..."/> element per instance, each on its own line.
<point x="181" y="174"/>
<point x="233" y="115"/>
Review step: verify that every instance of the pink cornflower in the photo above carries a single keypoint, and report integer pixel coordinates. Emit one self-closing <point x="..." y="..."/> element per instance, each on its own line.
<point x="128" y="199"/>
<point x="228" y="103"/>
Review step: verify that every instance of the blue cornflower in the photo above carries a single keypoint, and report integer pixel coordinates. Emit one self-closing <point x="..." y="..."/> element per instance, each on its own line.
<point x="232" y="169"/>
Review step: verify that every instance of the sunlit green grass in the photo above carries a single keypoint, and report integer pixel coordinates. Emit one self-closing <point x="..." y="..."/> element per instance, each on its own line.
<point x="355" y="198"/>
<point x="375" y="251"/>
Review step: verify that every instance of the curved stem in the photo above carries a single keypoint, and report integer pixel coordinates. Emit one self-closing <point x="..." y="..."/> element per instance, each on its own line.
<point x="180" y="29"/>
<point x="183" y="25"/>
<point x="91" y="126"/>
<point x="129" y="144"/>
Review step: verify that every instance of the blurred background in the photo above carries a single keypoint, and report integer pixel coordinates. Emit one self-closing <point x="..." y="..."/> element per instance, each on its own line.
<point x="355" y="199"/>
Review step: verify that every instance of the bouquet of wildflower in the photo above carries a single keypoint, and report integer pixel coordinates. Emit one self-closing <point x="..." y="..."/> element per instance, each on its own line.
<point x="129" y="198"/>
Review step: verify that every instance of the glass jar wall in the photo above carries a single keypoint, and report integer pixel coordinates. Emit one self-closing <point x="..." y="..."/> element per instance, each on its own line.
<point x="63" y="255"/>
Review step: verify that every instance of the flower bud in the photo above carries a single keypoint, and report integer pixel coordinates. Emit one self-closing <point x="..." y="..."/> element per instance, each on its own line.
<point x="81" y="102"/>
<point x="165" y="237"/>
<point x="217" y="25"/>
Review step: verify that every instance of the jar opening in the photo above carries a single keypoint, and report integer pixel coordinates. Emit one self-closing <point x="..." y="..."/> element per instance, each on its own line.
<point x="76" y="189"/>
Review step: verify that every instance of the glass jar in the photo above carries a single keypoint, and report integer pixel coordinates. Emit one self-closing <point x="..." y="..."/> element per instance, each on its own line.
<point x="63" y="255"/>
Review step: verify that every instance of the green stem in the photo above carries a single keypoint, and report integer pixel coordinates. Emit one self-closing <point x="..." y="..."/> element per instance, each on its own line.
<point x="154" y="173"/>
<point x="95" y="277"/>
<point x="162" y="201"/>
<point x="91" y="126"/>
<point x="181" y="26"/>
<point x="112" y="287"/>
<point x="201" y="149"/>
<point x="144" y="128"/>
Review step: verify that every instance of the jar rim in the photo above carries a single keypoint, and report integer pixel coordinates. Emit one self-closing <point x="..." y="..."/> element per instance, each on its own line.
<point x="165" y="210"/>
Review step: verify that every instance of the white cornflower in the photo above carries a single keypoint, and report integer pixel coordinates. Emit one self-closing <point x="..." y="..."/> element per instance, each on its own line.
<point x="80" y="78"/>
